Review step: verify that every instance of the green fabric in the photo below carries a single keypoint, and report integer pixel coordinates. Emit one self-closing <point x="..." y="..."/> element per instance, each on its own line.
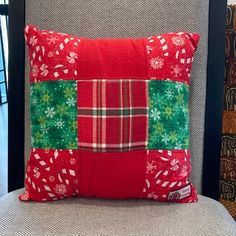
<point x="168" y="115"/>
<point x="53" y="109"/>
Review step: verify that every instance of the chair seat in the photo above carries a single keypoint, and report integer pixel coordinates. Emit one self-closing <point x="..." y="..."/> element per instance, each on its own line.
<point x="81" y="216"/>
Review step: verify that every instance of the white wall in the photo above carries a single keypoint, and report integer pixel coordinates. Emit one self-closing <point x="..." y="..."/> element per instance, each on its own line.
<point x="231" y="2"/>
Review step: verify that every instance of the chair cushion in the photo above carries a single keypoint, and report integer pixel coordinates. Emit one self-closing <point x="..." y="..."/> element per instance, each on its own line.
<point x="81" y="216"/>
<point x="109" y="117"/>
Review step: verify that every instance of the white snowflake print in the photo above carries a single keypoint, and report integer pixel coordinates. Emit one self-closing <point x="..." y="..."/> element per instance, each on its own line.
<point x="31" y="91"/>
<point x="60" y="189"/>
<point x="44" y="129"/>
<point x="169" y="94"/>
<point x="175" y="165"/>
<point x="184" y="171"/>
<point x="176" y="70"/>
<point x="50" y="113"/>
<point x="179" y="87"/>
<point x="72" y="57"/>
<point x="52" y="40"/>
<point x="59" y="123"/>
<point x="178" y="146"/>
<point x="152" y="195"/>
<point x="71" y="102"/>
<point x="33" y="40"/>
<point x="44" y="70"/>
<point x="150" y="167"/>
<point x="186" y="126"/>
<point x="155" y="114"/>
<point x="157" y="63"/>
<point x="34" y="101"/>
<point x="178" y="40"/>
<point x="185" y="110"/>
<point x="35" y="70"/>
<point x="165" y="138"/>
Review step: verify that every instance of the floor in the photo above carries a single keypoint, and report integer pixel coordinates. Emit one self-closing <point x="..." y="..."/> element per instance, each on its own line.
<point x="3" y="149"/>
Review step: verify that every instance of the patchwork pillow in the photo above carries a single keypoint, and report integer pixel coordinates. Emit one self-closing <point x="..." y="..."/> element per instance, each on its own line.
<point x="109" y="117"/>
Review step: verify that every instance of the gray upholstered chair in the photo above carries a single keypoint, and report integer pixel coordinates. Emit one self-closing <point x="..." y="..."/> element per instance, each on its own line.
<point x="79" y="216"/>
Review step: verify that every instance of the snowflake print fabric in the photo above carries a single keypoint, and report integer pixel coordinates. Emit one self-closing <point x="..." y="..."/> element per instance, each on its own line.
<point x="168" y="115"/>
<point x="109" y="117"/>
<point x="54" y="114"/>
<point x="178" y="40"/>
<point x="157" y="63"/>
<point x="171" y="55"/>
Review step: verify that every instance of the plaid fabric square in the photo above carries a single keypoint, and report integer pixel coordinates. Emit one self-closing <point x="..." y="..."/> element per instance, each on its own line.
<point x="112" y="115"/>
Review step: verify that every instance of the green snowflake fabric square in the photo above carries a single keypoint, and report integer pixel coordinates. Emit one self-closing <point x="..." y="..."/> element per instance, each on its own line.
<point x="54" y="113"/>
<point x="168" y="115"/>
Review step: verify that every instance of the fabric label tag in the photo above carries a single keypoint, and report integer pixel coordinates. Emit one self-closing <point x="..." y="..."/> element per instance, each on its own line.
<point x="180" y="194"/>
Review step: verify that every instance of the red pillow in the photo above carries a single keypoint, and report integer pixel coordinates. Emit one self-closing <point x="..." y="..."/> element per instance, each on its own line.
<point x="109" y="117"/>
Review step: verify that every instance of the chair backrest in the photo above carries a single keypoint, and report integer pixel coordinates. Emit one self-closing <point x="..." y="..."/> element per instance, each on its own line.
<point x="127" y="18"/>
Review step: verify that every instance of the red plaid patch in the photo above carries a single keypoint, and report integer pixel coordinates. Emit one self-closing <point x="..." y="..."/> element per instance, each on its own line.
<point x="112" y="115"/>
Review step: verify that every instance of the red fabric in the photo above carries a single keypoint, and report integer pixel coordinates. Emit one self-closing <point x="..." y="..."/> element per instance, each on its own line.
<point x="114" y="58"/>
<point x="52" y="55"/>
<point x="175" y="53"/>
<point x="168" y="171"/>
<point x="56" y="56"/>
<point x="57" y="174"/>
<point x="111" y="175"/>
<point x="51" y="175"/>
